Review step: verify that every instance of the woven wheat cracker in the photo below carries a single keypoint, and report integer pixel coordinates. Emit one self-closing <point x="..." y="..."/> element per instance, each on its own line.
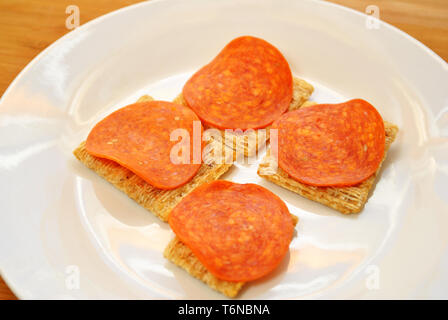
<point x="179" y="254"/>
<point x="158" y="201"/>
<point x="344" y="199"/>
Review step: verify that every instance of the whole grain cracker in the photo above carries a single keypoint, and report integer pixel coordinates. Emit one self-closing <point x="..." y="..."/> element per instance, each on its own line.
<point x="179" y="254"/>
<point x="158" y="201"/>
<point x="346" y="200"/>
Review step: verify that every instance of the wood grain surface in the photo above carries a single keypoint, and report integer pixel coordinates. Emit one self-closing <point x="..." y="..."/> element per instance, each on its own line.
<point x="29" y="26"/>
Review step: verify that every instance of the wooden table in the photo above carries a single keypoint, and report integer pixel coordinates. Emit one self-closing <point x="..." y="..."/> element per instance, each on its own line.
<point x="29" y="26"/>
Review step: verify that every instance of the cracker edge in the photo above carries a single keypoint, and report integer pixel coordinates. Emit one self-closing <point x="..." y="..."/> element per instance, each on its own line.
<point x="179" y="254"/>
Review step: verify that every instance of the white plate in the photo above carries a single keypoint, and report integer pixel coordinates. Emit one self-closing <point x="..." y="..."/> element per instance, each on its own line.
<point x="58" y="217"/>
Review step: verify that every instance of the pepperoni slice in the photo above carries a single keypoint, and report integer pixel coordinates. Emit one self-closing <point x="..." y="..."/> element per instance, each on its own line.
<point x="247" y="86"/>
<point x="331" y="144"/>
<point x="138" y="138"/>
<point x="240" y="232"/>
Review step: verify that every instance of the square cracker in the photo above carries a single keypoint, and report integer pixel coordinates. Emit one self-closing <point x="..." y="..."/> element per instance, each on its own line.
<point x="179" y="254"/>
<point x="158" y="201"/>
<point x="248" y="142"/>
<point x="346" y="200"/>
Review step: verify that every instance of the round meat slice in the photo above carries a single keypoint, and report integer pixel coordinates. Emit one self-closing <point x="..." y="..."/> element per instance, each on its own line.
<point x="138" y="138"/>
<point x="240" y="232"/>
<point x="331" y="144"/>
<point x="247" y="86"/>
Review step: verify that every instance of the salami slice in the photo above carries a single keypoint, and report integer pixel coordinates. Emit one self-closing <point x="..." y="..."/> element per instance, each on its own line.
<point x="331" y="144"/>
<point x="138" y="138"/>
<point x="240" y="232"/>
<point x="247" y="86"/>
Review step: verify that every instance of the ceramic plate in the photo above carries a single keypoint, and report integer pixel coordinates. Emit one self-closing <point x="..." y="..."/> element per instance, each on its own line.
<point x="67" y="233"/>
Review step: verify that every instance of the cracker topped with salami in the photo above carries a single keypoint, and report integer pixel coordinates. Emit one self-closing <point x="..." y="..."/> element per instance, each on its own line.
<point x="235" y="232"/>
<point x="131" y="148"/>
<point x="246" y="87"/>
<point x="330" y="153"/>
